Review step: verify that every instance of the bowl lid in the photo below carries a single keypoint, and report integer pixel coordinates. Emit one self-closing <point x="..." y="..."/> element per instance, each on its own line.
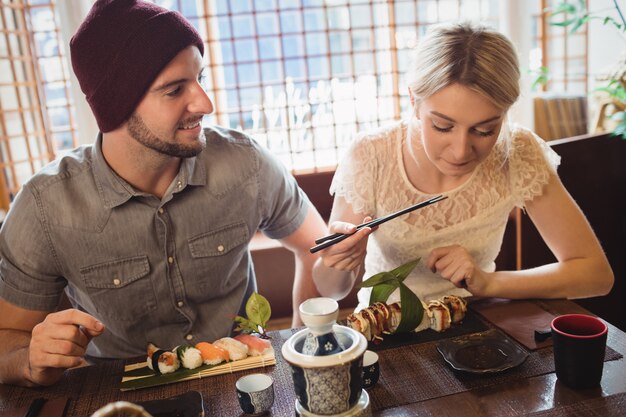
<point x="351" y="352"/>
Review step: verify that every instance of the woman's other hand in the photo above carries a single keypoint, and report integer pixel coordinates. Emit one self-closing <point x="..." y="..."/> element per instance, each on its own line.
<point x="455" y="264"/>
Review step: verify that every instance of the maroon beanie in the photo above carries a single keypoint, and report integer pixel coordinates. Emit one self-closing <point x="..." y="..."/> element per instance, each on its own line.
<point x="119" y="50"/>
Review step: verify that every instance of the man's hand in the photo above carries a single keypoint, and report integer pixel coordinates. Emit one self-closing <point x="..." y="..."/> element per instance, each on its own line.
<point x="59" y="343"/>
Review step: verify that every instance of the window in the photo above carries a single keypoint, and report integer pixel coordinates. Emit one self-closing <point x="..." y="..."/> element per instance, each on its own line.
<point x="300" y="76"/>
<point x="35" y="110"/>
<point x="560" y="108"/>
<point x="561" y="52"/>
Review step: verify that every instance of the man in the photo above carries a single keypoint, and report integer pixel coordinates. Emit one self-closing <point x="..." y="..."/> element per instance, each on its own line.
<point x="147" y="230"/>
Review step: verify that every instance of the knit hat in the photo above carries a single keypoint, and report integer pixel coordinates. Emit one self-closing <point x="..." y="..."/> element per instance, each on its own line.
<point x="118" y="51"/>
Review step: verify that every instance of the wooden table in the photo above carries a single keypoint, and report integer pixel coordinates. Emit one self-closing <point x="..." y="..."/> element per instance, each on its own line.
<point x="515" y="392"/>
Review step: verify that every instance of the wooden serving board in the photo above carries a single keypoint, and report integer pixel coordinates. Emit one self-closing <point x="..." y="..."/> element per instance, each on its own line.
<point x="138" y="375"/>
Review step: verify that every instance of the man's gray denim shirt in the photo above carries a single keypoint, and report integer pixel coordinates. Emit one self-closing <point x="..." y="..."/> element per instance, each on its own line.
<point x="169" y="271"/>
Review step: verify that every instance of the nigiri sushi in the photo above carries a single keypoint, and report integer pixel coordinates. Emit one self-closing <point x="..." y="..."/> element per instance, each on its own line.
<point x="256" y="345"/>
<point x="211" y="354"/>
<point x="161" y="361"/>
<point x="189" y="356"/>
<point x="236" y="349"/>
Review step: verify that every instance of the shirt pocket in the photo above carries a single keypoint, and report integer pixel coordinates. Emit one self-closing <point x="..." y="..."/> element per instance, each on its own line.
<point x="219" y="258"/>
<point x="120" y="289"/>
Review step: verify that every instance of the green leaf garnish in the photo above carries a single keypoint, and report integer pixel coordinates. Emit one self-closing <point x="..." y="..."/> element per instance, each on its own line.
<point x="384" y="283"/>
<point x="259" y="312"/>
<point x="411" y="308"/>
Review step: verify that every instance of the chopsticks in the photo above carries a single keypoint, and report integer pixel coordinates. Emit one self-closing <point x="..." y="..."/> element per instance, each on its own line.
<point x="35" y="407"/>
<point x="326" y="241"/>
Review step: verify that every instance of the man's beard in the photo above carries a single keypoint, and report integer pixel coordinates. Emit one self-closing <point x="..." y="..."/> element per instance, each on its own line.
<point x="142" y="134"/>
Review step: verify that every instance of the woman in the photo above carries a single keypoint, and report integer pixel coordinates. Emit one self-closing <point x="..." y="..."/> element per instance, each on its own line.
<point x="457" y="143"/>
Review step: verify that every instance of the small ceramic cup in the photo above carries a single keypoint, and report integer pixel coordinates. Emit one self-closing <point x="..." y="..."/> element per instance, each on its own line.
<point x="371" y="369"/>
<point x="319" y="315"/>
<point x="579" y="343"/>
<point x="255" y="393"/>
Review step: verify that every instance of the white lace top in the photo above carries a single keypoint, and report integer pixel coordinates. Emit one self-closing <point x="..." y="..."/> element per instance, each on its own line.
<point x="371" y="177"/>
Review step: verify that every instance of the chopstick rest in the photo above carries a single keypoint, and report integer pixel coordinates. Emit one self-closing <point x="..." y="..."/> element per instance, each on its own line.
<point x="326" y="241"/>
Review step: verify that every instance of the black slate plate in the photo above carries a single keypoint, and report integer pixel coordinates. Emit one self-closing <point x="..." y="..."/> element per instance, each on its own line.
<point x="482" y="353"/>
<point x="189" y="404"/>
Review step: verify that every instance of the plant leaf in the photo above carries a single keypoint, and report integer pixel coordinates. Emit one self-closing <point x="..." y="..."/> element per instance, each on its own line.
<point x="376" y="279"/>
<point x="381" y="292"/>
<point x="412" y="310"/>
<point x="258" y="309"/>
<point x="403" y="271"/>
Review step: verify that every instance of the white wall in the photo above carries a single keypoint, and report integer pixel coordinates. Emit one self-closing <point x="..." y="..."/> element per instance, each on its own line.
<point x="71" y="14"/>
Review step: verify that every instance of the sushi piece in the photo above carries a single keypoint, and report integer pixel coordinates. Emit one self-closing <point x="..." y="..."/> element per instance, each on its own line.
<point x="381" y="314"/>
<point x="376" y="328"/>
<point x="426" y="319"/>
<point x="161" y="361"/>
<point x="256" y="345"/>
<point x="189" y="356"/>
<point x="457" y="307"/>
<point x="439" y="315"/>
<point x="360" y="324"/>
<point x="211" y="354"/>
<point x="395" y="315"/>
<point x="236" y="350"/>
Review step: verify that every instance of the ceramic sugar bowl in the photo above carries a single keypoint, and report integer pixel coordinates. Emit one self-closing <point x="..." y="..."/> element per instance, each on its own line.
<point x="329" y="384"/>
<point x="319" y="315"/>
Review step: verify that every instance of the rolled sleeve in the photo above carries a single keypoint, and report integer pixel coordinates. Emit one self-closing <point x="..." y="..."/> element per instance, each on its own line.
<point x="29" y="275"/>
<point x="283" y="204"/>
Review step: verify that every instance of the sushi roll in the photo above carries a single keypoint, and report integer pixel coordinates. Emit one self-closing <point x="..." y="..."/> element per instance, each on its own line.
<point x="256" y="345"/>
<point x="236" y="350"/>
<point x="161" y="361"/>
<point x="189" y="356"/>
<point x="211" y="354"/>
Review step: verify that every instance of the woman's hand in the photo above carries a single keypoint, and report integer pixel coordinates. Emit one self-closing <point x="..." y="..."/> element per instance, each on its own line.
<point x="348" y="254"/>
<point x="455" y="264"/>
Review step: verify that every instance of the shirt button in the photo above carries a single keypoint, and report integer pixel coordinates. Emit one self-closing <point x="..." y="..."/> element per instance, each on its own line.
<point x="220" y="248"/>
<point x="161" y="210"/>
<point x="180" y="304"/>
<point x="189" y="336"/>
<point x="179" y="184"/>
<point x="170" y="260"/>
<point x="116" y="281"/>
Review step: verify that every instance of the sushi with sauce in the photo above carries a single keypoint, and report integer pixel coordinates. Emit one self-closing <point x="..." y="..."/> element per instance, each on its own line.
<point x="211" y="354"/>
<point x="189" y="356"/>
<point x="236" y="350"/>
<point x="256" y="345"/>
<point x="161" y="361"/>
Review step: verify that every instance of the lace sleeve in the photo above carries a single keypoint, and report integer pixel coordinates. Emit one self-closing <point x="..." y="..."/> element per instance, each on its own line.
<point x="355" y="176"/>
<point x="532" y="162"/>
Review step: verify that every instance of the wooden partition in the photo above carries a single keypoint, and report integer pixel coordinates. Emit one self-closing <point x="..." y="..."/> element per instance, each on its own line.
<point x="593" y="169"/>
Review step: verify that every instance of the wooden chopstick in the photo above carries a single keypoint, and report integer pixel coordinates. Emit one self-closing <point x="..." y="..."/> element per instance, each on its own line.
<point x="326" y="241"/>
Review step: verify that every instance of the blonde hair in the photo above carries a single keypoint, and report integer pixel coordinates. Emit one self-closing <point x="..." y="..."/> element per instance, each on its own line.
<point x="477" y="57"/>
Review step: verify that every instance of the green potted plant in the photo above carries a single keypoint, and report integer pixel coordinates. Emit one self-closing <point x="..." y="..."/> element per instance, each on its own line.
<point x="574" y="16"/>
